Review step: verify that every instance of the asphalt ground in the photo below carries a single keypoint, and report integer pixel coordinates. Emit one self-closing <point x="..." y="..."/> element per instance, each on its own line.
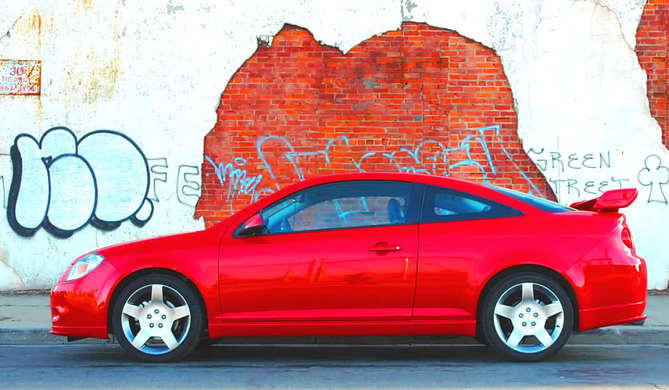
<point x="337" y="367"/>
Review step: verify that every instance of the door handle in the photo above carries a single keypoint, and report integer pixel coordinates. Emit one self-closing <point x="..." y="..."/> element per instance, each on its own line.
<point x="384" y="247"/>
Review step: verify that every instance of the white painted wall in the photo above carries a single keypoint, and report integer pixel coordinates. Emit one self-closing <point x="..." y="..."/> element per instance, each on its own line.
<point x="154" y="71"/>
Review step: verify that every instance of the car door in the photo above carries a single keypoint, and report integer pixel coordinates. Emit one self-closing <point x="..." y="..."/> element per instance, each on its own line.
<point x="336" y="251"/>
<point x="457" y="232"/>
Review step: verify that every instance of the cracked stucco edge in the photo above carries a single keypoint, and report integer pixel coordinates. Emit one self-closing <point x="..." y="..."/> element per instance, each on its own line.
<point x="8" y="33"/>
<point x="621" y="27"/>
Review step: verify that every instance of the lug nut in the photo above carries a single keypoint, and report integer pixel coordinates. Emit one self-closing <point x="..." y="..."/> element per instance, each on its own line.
<point x="520" y="315"/>
<point x="163" y="316"/>
<point x="156" y="311"/>
<point x="160" y="325"/>
<point x="148" y="316"/>
<point x="536" y="315"/>
<point x="533" y="323"/>
<point x="527" y="310"/>
<point x="524" y="323"/>
<point x="151" y="325"/>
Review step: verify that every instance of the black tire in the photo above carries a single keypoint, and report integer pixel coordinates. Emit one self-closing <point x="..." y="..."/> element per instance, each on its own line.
<point x="527" y="316"/>
<point x="186" y="330"/>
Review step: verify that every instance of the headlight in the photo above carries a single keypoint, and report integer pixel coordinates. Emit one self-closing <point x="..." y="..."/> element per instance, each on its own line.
<point x="84" y="265"/>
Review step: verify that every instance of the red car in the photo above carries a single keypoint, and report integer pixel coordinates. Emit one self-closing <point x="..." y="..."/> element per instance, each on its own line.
<point x="368" y="254"/>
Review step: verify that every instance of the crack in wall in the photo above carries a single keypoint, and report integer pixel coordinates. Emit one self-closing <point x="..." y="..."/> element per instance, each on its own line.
<point x="8" y="33"/>
<point x="9" y="277"/>
<point x="620" y="24"/>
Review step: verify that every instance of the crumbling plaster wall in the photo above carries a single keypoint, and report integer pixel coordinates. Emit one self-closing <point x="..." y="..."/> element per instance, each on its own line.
<point x="154" y="73"/>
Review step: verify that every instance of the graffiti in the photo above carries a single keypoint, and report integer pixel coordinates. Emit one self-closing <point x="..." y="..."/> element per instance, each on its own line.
<point x="595" y="187"/>
<point x="574" y="185"/>
<point x="188" y="185"/>
<point x="572" y="160"/>
<point x="569" y="170"/>
<point x="62" y="184"/>
<point x="235" y="178"/>
<point x="364" y="110"/>
<point x="158" y="171"/>
<point x="429" y="156"/>
<point x="654" y="175"/>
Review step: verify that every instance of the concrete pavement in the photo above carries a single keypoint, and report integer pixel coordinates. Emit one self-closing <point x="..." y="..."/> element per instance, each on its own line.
<point x="26" y="319"/>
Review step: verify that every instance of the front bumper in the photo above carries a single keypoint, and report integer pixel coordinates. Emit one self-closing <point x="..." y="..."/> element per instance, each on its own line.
<point x="79" y="307"/>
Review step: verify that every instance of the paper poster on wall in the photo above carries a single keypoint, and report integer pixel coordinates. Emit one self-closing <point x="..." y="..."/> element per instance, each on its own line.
<point x="20" y="77"/>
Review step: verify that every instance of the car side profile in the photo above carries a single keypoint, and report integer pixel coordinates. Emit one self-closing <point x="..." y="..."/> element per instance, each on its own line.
<point x="368" y="254"/>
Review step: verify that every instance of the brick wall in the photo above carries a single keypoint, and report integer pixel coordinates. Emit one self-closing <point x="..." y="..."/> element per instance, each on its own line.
<point x="652" y="45"/>
<point x="421" y="99"/>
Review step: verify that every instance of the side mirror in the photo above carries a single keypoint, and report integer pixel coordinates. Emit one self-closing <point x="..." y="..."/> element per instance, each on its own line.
<point x="253" y="226"/>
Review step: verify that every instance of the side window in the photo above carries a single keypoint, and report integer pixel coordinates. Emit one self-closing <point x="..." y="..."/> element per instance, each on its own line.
<point x="442" y="204"/>
<point x="341" y="205"/>
<point x="452" y="204"/>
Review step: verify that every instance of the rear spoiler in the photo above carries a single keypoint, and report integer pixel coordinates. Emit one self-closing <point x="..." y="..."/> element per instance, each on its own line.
<point x="610" y="201"/>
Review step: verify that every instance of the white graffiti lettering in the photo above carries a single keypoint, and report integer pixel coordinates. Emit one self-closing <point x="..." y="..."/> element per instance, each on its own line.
<point x="63" y="184"/>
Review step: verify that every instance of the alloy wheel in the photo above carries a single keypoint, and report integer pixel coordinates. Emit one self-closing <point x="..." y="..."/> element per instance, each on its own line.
<point x="156" y="319"/>
<point x="528" y="317"/>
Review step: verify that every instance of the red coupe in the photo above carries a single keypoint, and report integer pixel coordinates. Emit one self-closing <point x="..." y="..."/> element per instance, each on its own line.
<point x="368" y="254"/>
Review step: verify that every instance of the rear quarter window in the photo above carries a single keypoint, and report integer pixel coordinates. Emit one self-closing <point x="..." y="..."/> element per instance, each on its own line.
<point x="534" y="201"/>
<point x="442" y="204"/>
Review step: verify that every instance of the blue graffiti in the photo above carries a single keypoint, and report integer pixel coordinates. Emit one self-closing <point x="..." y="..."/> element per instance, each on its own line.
<point x="236" y="178"/>
<point x="429" y="156"/>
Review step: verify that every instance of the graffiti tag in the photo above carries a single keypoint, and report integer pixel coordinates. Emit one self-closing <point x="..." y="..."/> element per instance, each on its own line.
<point x="573" y="164"/>
<point x="188" y="184"/>
<point x="62" y="184"/>
<point x="654" y="175"/>
<point x="429" y="156"/>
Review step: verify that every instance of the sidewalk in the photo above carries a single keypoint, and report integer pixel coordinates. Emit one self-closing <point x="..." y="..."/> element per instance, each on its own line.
<point x="26" y="319"/>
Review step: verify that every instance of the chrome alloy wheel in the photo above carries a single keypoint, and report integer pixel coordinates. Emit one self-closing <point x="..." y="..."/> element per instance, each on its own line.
<point x="528" y="317"/>
<point x="156" y="319"/>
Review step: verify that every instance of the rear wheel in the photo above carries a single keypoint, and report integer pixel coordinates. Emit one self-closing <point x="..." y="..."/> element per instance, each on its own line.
<point x="157" y="318"/>
<point x="527" y="317"/>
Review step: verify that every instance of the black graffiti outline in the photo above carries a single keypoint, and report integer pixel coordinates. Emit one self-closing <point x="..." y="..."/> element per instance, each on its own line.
<point x="17" y="164"/>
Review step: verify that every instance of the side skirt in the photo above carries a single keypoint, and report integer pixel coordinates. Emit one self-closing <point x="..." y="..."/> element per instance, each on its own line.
<point x="218" y="329"/>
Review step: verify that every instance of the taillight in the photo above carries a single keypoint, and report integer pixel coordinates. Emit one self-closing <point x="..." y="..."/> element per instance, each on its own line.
<point x="627" y="238"/>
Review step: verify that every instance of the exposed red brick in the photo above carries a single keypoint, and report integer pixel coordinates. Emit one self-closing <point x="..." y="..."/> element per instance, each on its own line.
<point x="370" y="109"/>
<point x="652" y="46"/>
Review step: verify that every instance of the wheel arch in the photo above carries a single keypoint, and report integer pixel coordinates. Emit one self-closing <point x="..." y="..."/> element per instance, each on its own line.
<point x="153" y="271"/>
<point x="548" y="272"/>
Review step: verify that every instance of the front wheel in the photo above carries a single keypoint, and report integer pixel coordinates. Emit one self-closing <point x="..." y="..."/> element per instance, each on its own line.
<point x="527" y="317"/>
<point x="157" y="318"/>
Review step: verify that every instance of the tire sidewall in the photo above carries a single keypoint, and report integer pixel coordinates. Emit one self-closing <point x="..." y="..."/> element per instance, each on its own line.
<point x="488" y="313"/>
<point x="194" y="305"/>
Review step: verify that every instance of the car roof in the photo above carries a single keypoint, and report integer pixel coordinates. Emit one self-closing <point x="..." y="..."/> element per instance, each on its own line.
<point x="397" y="176"/>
